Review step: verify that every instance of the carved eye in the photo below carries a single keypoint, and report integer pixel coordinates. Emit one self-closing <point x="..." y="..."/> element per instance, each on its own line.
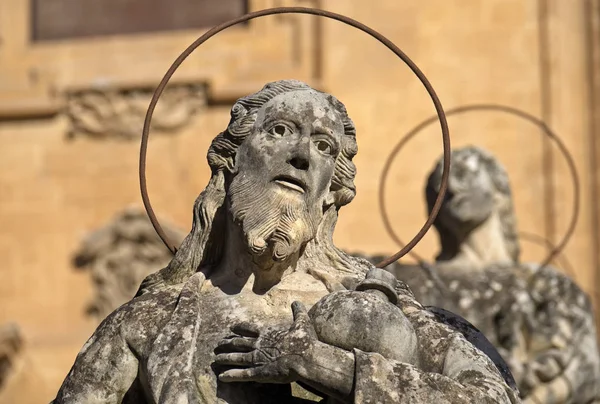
<point x="280" y="130"/>
<point x="324" y="146"/>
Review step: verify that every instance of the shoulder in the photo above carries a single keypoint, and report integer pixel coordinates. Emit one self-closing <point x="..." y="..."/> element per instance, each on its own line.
<point x="548" y="283"/>
<point x="139" y="319"/>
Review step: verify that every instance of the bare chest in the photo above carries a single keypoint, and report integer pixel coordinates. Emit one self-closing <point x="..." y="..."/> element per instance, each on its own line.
<point x="221" y="311"/>
<point x="270" y="308"/>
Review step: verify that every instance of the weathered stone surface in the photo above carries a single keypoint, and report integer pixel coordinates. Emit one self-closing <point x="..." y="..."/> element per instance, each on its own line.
<point x="366" y="319"/>
<point x="541" y="322"/>
<point x="215" y="324"/>
<point x="120" y="255"/>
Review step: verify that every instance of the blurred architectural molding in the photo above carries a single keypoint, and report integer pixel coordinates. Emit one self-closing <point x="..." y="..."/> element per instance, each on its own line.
<point x="42" y="79"/>
<point x="121" y="113"/>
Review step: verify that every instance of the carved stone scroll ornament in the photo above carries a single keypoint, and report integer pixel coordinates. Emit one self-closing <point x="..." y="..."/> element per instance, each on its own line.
<point x="120" y="113"/>
<point x="120" y="255"/>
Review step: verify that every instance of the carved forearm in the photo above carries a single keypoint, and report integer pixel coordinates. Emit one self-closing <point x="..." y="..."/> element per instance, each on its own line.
<point x="330" y="371"/>
<point x="389" y="382"/>
<point x="360" y="377"/>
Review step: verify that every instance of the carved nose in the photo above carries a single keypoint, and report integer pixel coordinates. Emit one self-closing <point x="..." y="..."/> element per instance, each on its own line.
<point x="299" y="156"/>
<point x="299" y="162"/>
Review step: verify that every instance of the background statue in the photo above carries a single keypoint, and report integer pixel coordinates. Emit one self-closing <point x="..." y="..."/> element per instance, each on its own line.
<point x="19" y="369"/>
<point x="538" y="319"/>
<point x="120" y="255"/>
<point x="11" y="342"/>
<point x="215" y="324"/>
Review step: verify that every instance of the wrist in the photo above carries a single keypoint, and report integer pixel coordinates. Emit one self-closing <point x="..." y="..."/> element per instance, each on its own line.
<point x="328" y="369"/>
<point x="311" y="357"/>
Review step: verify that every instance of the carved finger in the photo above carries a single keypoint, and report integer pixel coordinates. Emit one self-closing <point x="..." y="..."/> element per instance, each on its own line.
<point x="547" y="369"/>
<point x="261" y="374"/>
<point x="237" y="344"/>
<point x="235" y="359"/>
<point x="246" y="329"/>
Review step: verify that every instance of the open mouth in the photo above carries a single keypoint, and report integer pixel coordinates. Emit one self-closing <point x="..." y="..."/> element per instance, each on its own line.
<point x="291" y="183"/>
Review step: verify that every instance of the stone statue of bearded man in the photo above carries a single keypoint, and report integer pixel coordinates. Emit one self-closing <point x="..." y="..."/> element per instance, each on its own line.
<point x="261" y="241"/>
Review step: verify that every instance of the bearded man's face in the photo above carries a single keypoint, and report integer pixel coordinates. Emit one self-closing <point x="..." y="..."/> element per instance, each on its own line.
<point x="283" y="172"/>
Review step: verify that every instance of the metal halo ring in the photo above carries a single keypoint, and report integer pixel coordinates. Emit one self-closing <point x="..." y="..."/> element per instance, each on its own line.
<point x="322" y="13"/>
<point x="485" y="107"/>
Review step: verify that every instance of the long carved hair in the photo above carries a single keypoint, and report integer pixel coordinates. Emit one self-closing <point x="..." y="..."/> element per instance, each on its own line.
<point x="503" y="199"/>
<point x="203" y="246"/>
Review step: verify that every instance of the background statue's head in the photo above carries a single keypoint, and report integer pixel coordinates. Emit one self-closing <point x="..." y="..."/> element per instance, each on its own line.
<point x="282" y="168"/>
<point x="478" y="188"/>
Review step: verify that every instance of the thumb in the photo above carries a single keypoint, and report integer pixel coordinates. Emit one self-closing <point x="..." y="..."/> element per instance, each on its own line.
<point x="301" y="318"/>
<point x="299" y="310"/>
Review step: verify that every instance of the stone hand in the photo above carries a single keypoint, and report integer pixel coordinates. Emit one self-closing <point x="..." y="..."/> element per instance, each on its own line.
<point x="274" y="356"/>
<point x="547" y="367"/>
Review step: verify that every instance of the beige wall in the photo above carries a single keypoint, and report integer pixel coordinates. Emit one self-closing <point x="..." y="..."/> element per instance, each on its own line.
<point x="532" y="55"/>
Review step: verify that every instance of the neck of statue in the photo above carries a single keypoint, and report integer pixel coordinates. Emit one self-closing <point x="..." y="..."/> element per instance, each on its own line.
<point x="239" y="268"/>
<point x="481" y="247"/>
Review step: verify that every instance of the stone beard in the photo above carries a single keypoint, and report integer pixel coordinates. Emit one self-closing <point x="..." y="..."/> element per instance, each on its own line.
<point x="272" y="219"/>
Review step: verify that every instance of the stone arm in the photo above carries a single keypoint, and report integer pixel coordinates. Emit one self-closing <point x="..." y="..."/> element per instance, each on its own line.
<point x="451" y="369"/>
<point x="363" y="378"/>
<point x="564" y="362"/>
<point x="465" y="378"/>
<point x="104" y="370"/>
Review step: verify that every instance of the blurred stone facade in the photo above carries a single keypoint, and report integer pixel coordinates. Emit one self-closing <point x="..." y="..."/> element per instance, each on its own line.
<point x="72" y="103"/>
